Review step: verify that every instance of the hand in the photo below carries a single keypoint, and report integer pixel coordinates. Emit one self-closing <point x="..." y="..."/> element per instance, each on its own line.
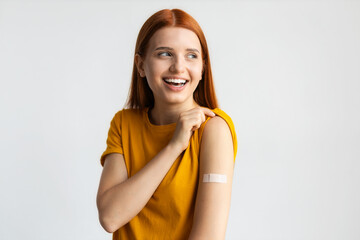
<point x="187" y="123"/>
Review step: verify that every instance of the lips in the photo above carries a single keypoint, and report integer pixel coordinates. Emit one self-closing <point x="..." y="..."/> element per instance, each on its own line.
<point x="176" y="82"/>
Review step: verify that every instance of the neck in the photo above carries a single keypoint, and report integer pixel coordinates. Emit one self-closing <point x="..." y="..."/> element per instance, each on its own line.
<point x="163" y="114"/>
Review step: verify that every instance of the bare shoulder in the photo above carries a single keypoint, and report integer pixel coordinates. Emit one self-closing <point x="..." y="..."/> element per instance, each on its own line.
<point x="217" y="143"/>
<point x="216" y="127"/>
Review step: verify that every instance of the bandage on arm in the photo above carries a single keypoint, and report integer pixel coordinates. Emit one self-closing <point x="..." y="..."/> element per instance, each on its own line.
<point x="215" y="178"/>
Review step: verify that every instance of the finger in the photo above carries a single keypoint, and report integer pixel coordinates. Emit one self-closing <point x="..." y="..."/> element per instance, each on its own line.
<point x="194" y="122"/>
<point x="208" y="112"/>
<point x="196" y="126"/>
<point x="199" y="115"/>
<point x="203" y="118"/>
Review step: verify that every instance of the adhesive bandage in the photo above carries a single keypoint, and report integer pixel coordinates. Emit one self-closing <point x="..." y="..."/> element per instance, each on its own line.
<point x="213" y="177"/>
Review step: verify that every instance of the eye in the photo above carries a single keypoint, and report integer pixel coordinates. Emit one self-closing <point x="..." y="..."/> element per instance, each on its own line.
<point x="192" y="55"/>
<point x="164" y="54"/>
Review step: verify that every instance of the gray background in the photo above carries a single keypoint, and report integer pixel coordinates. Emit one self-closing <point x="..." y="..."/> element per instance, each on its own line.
<point x="287" y="72"/>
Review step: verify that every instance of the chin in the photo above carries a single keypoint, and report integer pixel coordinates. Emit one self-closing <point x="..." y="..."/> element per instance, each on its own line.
<point x="176" y="100"/>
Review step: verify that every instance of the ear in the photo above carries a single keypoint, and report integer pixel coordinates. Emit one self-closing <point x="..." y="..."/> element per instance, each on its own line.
<point x="139" y="65"/>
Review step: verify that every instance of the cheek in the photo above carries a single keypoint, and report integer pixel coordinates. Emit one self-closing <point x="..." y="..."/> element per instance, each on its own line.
<point x="196" y="71"/>
<point x="155" y="68"/>
<point x="149" y="69"/>
<point x="153" y="71"/>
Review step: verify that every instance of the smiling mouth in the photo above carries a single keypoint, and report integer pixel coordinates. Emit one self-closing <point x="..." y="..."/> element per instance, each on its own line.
<point x="175" y="82"/>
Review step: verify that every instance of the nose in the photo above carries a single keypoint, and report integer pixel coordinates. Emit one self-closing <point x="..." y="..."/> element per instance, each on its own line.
<point x="178" y="65"/>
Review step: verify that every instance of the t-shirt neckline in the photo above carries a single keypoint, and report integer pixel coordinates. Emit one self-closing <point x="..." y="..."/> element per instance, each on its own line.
<point x="166" y="127"/>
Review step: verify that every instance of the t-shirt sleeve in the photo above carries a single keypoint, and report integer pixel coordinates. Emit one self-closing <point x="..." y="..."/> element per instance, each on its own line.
<point x="114" y="141"/>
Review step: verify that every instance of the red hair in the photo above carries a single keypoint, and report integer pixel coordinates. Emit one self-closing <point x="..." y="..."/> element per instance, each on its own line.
<point x="140" y="94"/>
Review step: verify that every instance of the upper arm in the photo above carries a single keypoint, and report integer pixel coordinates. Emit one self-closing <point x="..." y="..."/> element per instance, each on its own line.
<point x="114" y="140"/>
<point x="114" y="172"/>
<point x="213" y="199"/>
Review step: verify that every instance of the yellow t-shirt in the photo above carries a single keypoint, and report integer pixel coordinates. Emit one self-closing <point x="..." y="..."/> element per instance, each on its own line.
<point x="169" y="212"/>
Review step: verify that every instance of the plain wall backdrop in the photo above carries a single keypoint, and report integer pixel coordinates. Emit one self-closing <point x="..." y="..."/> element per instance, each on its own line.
<point x="287" y="72"/>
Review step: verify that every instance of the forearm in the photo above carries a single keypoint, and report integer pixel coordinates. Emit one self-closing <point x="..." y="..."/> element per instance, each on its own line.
<point x="119" y="204"/>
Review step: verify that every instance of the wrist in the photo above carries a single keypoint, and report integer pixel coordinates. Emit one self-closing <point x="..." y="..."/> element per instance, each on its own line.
<point x="174" y="148"/>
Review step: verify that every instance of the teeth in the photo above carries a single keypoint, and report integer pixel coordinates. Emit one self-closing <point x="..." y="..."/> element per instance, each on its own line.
<point x="181" y="81"/>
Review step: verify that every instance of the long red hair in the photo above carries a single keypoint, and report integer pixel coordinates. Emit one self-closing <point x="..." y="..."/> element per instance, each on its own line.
<point x="140" y="94"/>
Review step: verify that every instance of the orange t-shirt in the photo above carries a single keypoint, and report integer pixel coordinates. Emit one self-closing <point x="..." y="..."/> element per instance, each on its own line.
<point x="169" y="212"/>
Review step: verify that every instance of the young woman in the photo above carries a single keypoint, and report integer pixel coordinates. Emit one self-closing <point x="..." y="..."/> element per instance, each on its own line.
<point x="168" y="166"/>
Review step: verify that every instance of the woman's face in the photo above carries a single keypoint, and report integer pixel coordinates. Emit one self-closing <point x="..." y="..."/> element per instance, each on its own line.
<point x="172" y="65"/>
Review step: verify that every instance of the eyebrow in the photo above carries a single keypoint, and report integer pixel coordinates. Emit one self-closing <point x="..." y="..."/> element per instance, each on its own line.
<point x="169" y="48"/>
